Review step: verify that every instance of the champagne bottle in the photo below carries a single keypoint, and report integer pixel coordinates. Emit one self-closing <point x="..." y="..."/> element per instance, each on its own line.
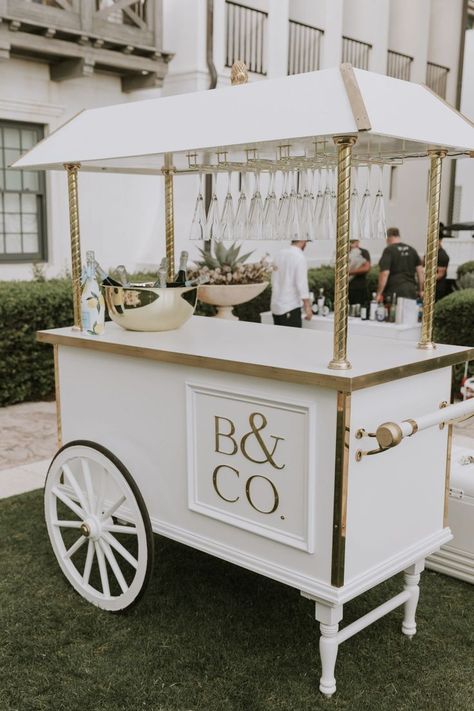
<point x="380" y="312"/>
<point x="388" y="308"/>
<point x="181" y="275"/>
<point x="104" y="278"/>
<point x="363" y="312"/>
<point x="92" y="301"/>
<point x="373" y="307"/>
<point x="162" y="274"/>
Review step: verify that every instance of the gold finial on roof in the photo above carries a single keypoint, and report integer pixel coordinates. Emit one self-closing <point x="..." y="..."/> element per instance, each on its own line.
<point x="239" y="73"/>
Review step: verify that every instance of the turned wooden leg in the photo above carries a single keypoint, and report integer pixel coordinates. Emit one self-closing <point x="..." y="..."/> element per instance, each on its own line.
<point x="412" y="578"/>
<point x="329" y="618"/>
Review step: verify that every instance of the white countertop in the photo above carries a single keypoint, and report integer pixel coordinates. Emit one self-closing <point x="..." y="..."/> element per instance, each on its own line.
<point x="295" y="355"/>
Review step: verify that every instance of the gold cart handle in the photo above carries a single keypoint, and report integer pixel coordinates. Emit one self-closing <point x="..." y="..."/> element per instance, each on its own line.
<point x="390" y="434"/>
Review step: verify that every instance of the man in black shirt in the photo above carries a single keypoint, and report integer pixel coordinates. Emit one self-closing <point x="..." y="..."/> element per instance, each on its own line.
<point x="442" y="271"/>
<point x="359" y="265"/>
<point x="400" y="268"/>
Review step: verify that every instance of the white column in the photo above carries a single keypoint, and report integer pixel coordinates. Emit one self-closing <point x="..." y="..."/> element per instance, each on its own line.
<point x="277" y="38"/>
<point x="332" y="42"/>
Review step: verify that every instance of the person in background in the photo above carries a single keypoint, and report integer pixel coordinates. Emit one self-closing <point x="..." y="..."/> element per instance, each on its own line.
<point x="400" y="269"/>
<point x="359" y="266"/>
<point x="442" y="270"/>
<point x="290" y="286"/>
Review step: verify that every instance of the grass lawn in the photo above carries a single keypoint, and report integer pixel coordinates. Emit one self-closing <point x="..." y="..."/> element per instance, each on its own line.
<point x="210" y="636"/>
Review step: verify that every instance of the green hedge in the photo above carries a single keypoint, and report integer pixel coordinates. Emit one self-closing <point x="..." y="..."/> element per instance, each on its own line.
<point x="465" y="268"/>
<point x="454" y="318"/>
<point x="26" y="367"/>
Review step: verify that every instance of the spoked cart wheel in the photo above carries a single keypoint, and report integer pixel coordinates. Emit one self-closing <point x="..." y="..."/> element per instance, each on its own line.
<point x="98" y="525"/>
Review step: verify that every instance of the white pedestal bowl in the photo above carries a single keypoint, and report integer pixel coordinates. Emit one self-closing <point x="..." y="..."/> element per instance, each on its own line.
<point x="226" y="296"/>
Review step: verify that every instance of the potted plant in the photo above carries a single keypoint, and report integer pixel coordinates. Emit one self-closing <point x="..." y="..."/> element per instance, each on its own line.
<point x="231" y="279"/>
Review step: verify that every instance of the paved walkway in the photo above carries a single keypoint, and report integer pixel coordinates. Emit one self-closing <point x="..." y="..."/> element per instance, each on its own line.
<point x="28" y="443"/>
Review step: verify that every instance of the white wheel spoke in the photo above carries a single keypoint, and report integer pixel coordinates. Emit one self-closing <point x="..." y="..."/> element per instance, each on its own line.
<point x="89" y="559"/>
<point x="112" y="541"/>
<point x="67" y="524"/>
<point x="116" y="528"/>
<point x="68" y="502"/>
<point x="86" y="471"/>
<point x="75" y="547"/>
<point x="112" y="509"/>
<point x="101" y="493"/>
<point x="114" y="565"/>
<point x="102" y="569"/>
<point x="75" y="486"/>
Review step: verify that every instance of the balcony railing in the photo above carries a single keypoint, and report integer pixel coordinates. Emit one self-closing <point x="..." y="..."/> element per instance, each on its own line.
<point x="356" y="52"/>
<point x="245" y="36"/>
<point x="437" y="78"/>
<point x="78" y="37"/>
<point x="304" y="48"/>
<point x="399" y="65"/>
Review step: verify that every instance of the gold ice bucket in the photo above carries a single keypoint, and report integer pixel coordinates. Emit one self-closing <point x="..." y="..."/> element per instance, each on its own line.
<point x="140" y="307"/>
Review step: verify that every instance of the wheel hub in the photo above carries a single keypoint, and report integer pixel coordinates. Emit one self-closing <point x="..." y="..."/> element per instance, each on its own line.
<point x="91" y="528"/>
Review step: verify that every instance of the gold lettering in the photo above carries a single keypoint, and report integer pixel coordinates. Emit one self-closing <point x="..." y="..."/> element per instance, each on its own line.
<point x="224" y="435"/>
<point x="215" y="482"/>
<point x="255" y="432"/>
<point x="276" y="498"/>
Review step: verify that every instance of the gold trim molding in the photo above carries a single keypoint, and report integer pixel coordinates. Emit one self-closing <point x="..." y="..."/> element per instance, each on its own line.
<point x="340" y="488"/>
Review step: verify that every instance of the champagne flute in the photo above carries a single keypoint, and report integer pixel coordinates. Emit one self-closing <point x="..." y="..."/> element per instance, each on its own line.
<point x="306" y="208"/>
<point x="366" y="212"/>
<point x="241" y="216"/>
<point x="356" y="230"/>
<point x="318" y="206"/>
<point x="283" y="205"/>
<point x="198" y="225"/>
<point x="213" y="225"/>
<point x="270" y="212"/>
<point x="378" y="215"/>
<point x="256" y="211"/>
<point x="227" y="217"/>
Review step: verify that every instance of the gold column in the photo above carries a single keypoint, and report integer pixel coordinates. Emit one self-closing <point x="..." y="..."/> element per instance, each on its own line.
<point x="59" y="429"/>
<point x="340" y="488"/>
<point x="76" y="264"/>
<point x="431" y="257"/>
<point x="341" y="277"/>
<point x="169" y="217"/>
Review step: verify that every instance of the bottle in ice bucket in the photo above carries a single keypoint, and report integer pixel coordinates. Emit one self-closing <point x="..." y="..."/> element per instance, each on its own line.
<point x="181" y="276"/>
<point x="92" y="300"/>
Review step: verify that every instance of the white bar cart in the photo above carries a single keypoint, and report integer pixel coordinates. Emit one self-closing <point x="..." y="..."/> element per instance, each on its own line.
<point x="262" y="446"/>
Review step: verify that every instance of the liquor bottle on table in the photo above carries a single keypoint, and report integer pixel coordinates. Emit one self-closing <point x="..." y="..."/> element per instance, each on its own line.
<point x="393" y="310"/>
<point x="92" y="300"/>
<point x="373" y="307"/>
<point x="380" y="312"/>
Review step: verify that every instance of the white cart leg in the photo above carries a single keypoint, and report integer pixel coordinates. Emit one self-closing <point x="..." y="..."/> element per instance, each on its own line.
<point x="329" y="618"/>
<point x="412" y="578"/>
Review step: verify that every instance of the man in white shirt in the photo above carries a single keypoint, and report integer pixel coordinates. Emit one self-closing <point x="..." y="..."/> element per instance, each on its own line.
<point x="290" y="286"/>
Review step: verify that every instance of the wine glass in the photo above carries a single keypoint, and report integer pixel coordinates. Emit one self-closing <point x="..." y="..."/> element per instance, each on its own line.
<point x="378" y="215"/>
<point x="241" y="216"/>
<point x="326" y="216"/>
<point x="198" y="225"/>
<point x="213" y="225"/>
<point x="256" y="211"/>
<point x="270" y="212"/>
<point x="227" y="217"/>
<point x="366" y="211"/>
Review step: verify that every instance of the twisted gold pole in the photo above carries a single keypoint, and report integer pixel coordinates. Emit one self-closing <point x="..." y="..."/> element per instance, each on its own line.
<point x="341" y="278"/>
<point x="169" y="221"/>
<point x="76" y="264"/>
<point x="431" y="256"/>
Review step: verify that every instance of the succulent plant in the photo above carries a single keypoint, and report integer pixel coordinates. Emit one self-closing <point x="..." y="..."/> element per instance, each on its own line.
<point x="227" y="266"/>
<point x="223" y="257"/>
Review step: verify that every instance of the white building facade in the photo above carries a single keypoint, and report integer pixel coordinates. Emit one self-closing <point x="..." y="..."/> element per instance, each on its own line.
<point x="113" y="52"/>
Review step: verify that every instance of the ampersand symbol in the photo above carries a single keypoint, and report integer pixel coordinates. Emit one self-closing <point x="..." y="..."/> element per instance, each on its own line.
<point x="255" y="432"/>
